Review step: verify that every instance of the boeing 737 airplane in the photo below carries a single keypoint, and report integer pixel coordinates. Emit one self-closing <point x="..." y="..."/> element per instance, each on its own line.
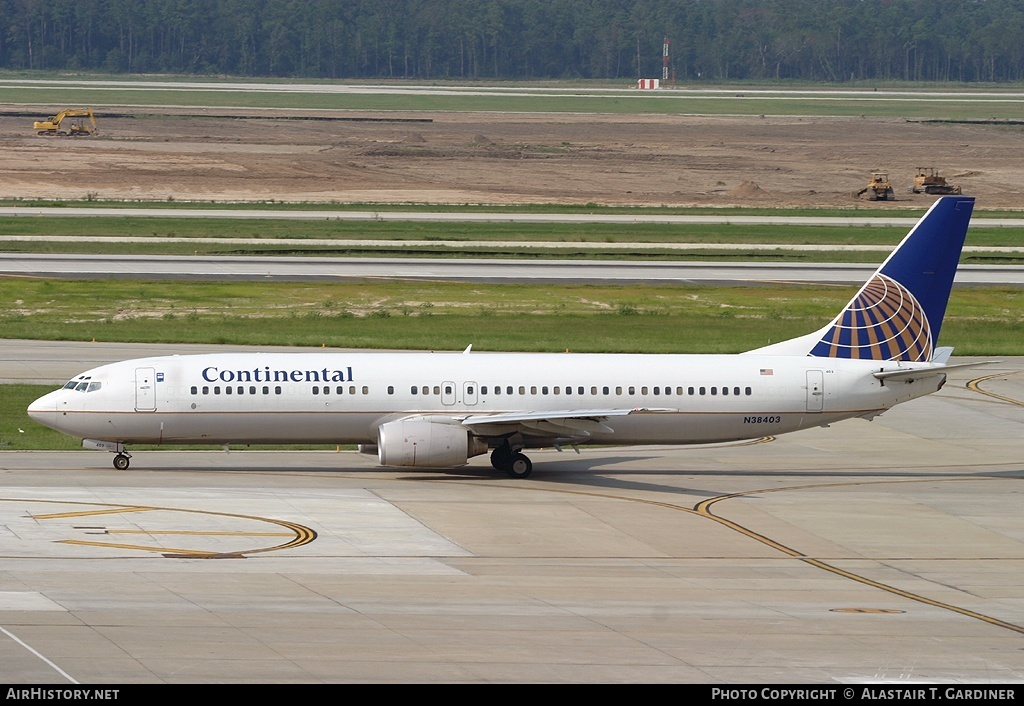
<point x="437" y="410"/>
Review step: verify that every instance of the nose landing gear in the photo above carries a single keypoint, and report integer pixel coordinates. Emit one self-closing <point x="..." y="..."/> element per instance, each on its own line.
<point x="121" y="459"/>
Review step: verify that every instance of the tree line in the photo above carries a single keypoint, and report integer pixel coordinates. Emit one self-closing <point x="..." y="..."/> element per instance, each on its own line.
<point x="710" y="40"/>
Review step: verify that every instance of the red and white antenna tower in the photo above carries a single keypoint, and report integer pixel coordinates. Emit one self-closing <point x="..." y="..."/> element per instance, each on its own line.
<point x="664" y="62"/>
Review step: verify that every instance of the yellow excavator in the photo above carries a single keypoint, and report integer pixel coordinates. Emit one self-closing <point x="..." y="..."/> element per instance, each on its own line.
<point x="76" y="127"/>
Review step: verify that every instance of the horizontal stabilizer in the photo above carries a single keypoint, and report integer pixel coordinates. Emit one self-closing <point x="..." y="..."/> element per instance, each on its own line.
<point x="919" y="373"/>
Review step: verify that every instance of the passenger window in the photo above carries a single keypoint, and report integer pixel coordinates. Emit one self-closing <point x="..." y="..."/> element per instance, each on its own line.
<point x="643" y="390"/>
<point x="748" y="391"/>
<point x="632" y="390"/>
<point x="206" y="389"/>
<point x="657" y="390"/>
<point x="277" y="389"/>
<point x="703" y="390"/>
<point x="316" y="390"/>
<point x="714" y="390"/>
<point x="195" y="390"/>
<point x="593" y="390"/>
<point x="735" y="390"/>
<point x="725" y="390"/>
<point x="228" y="390"/>
<point x="216" y="390"/>
<point x="679" y="390"/>
<point x="604" y="390"/>
<point x="544" y="390"/>
<point x="522" y="390"/>
<point x="266" y="389"/>
<point x="391" y="389"/>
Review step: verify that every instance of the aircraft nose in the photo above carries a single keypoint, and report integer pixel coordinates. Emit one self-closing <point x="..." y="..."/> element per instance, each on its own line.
<point x="43" y="410"/>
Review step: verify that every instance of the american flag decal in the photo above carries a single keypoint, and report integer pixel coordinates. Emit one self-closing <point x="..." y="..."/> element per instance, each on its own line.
<point x="767" y="371"/>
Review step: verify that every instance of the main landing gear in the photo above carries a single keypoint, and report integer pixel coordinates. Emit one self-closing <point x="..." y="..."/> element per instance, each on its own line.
<point x="514" y="463"/>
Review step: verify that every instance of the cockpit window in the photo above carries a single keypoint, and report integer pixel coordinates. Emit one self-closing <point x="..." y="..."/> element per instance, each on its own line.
<point x="82" y="384"/>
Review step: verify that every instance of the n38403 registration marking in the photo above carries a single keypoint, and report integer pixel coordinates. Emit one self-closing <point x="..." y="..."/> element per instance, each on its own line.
<point x="768" y="419"/>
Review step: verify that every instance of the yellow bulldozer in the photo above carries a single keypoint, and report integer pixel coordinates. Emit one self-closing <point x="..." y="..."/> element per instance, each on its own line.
<point x="928" y="181"/>
<point x="879" y="188"/>
<point x="68" y="123"/>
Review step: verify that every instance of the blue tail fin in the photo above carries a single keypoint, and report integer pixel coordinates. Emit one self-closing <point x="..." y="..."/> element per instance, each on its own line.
<point x="898" y="313"/>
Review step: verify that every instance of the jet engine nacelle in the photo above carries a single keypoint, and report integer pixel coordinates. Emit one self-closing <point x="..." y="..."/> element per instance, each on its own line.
<point x="426" y="444"/>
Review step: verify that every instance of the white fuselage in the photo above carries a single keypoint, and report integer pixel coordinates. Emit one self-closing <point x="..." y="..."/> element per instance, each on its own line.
<point x="343" y="398"/>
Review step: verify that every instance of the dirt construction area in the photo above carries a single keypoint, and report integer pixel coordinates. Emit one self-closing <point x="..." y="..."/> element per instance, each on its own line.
<point x="500" y="158"/>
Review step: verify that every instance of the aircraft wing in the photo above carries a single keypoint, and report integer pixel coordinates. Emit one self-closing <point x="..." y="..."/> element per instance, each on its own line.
<point x="569" y="423"/>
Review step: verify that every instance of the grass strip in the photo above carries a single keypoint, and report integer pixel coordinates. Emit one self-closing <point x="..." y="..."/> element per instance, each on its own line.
<point x="452" y="315"/>
<point x="667" y="102"/>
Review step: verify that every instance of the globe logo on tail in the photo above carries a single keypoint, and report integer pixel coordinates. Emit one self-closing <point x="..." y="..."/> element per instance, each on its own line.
<point x="883" y="322"/>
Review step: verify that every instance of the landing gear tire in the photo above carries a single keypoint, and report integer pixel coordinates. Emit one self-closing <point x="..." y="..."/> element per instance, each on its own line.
<point x="519" y="467"/>
<point x="121" y="462"/>
<point x="501" y="458"/>
<point x="514" y="463"/>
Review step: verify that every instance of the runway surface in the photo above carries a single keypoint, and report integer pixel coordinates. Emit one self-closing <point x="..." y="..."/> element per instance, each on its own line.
<point x="482" y="217"/>
<point x="469" y="245"/>
<point x="171" y="267"/>
<point x="870" y="552"/>
<point x="320" y="88"/>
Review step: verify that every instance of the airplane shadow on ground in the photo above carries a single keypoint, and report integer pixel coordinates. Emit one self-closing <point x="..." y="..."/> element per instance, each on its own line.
<point x="577" y="471"/>
<point x="601" y="473"/>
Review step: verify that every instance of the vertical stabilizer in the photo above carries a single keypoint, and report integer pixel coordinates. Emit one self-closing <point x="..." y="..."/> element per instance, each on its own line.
<point x="898" y="312"/>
